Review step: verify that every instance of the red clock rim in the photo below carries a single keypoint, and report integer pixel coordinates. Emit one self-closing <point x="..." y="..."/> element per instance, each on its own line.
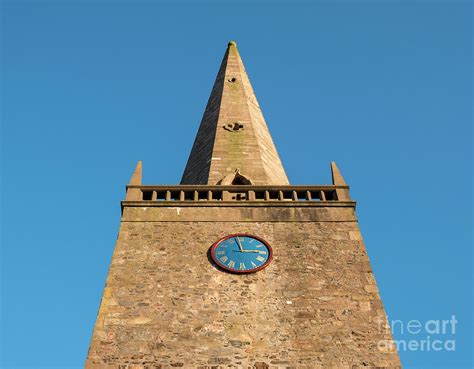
<point x="263" y="266"/>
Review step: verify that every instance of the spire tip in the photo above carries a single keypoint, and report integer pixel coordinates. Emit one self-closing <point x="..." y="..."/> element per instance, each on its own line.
<point x="232" y="43"/>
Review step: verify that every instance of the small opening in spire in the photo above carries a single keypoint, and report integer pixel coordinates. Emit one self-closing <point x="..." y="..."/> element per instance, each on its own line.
<point x="234" y="127"/>
<point x="232" y="80"/>
<point x="235" y="178"/>
<point x="241" y="180"/>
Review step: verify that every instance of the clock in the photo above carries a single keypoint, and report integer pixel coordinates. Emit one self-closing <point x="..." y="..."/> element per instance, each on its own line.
<point x="241" y="253"/>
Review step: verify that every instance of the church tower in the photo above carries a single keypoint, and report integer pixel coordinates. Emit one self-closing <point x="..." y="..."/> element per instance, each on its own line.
<point x="235" y="267"/>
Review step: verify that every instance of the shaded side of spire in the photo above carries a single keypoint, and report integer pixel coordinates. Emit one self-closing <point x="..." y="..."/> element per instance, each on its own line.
<point x="199" y="161"/>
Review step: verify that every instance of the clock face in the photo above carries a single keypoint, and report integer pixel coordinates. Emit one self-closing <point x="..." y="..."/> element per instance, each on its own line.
<point x="241" y="253"/>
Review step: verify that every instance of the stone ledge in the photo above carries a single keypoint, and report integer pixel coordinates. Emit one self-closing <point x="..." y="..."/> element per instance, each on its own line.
<point x="169" y="213"/>
<point x="243" y="203"/>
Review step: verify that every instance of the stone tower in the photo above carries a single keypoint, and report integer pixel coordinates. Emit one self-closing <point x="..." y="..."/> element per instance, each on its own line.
<point x="175" y="298"/>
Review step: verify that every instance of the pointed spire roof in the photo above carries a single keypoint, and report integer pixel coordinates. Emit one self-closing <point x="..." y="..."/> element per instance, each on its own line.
<point x="233" y="134"/>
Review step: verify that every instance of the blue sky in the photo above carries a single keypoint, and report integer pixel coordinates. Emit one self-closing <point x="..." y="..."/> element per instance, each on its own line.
<point x="89" y="88"/>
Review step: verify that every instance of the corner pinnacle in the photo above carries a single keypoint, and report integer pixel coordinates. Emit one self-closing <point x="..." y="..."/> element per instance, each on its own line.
<point x="137" y="174"/>
<point x="337" y="178"/>
<point x="135" y="194"/>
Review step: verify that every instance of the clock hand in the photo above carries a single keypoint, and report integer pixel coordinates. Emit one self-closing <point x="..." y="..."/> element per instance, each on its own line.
<point x="241" y="249"/>
<point x="240" y="245"/>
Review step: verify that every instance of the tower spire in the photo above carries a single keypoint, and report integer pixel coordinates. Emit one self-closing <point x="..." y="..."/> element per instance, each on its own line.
<point x="233" y="134"/>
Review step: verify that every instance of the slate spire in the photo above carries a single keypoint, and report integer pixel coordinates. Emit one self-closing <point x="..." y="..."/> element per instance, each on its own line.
<point x="233" y="136"/>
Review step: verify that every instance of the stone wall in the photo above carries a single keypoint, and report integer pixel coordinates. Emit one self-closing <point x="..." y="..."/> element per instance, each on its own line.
<point x="166" y="305"/>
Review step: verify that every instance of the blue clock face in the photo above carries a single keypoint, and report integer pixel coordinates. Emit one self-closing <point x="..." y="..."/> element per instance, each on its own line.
<point x="241" y="253"/>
